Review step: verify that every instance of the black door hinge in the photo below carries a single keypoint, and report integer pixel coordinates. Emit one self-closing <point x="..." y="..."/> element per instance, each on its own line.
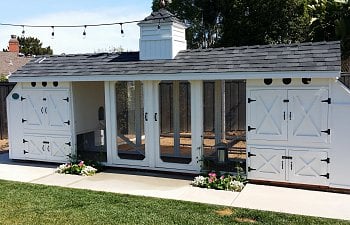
<point x="67" y="122"/>
<point x="66" y="99"/>
<point x="287" y="157"/>
<point x="22" y="98"/>
<point x="327" y="100"/>
<point x="325" y="175"/>
<point x="46" y="142"/>
<point x="251" y="128"/>
<point x="250" y="169"/>
<point x="286" y="100"/>
<point x="24" y="141"/>
<point x="251" y="100"/>
<point x="68" y="143"/>
<point x="23" y="120"/>
<point x="25" y="152"/>
<point x="328" y="131"/>
<point x="325" y="160"/>
<point x="250" y="154"/>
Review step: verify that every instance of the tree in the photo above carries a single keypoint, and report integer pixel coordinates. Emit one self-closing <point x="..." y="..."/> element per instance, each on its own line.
<point x="330" y="22"/>
<point x="33" y="46"/>
<point x="251" y="22"/>
<point x="217" y="23"/>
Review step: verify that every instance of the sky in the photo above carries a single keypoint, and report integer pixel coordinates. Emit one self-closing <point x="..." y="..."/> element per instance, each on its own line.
<point x="75" y="12"/>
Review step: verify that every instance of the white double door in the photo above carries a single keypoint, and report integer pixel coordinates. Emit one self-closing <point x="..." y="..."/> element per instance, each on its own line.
<point x="288" y="115"/>
<point x="295" y="165"/>
<point x="137" y="136"/>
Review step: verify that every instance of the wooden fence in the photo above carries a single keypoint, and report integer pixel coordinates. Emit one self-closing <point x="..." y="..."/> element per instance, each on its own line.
<point x="5" y="89"/>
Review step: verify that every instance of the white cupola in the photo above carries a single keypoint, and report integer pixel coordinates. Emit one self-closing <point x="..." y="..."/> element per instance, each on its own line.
<point x="162" y="36"/>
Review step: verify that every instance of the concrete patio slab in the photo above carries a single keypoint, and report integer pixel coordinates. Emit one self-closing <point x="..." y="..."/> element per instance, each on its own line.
<point x="294" y="201"/>
<point x="23" y="173"/>
<point x="134" y="185"/>
<point x="261" y="197"/>
<point x="63" y="180"/>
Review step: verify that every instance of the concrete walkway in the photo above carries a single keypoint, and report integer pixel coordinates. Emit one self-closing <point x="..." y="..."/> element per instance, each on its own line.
<point x="278" y="199"/>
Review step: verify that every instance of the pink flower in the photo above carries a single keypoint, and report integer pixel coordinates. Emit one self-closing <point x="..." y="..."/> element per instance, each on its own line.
<point x="212" y="174"/>
<point x="222" y="177"/>
<point x="81" y="163"/>
<point x="210" y="180"/>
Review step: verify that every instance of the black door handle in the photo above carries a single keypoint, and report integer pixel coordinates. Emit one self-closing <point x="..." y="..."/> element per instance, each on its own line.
<point x="146" y="116"/>
<point x="155" y="117"/>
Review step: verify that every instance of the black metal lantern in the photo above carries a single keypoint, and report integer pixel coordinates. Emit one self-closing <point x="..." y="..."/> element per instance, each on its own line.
<point x="221" y="153"/>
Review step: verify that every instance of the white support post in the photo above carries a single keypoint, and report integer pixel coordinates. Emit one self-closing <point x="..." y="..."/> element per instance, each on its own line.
<point x="197" y="122"/>
<point x="109" y="118"/>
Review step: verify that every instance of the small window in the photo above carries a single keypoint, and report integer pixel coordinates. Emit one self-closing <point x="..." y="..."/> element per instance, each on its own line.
<point x="268" y="81"/>
<point x="55" y="83"/>
<point x="33" y="84"/>
<point x="286" y="81"/>
<point x="44" y="84"/>
<point x="306" y="80"/>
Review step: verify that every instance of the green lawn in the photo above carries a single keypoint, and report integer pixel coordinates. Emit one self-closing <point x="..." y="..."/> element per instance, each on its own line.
<point x="22" y="203"/>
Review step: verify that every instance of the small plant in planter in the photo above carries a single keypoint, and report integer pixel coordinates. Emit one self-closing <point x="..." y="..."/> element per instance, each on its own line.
<point x="77" y="167"/>
<point x="224" y="182"/>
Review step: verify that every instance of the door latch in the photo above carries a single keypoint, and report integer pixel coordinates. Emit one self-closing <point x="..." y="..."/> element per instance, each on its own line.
<point x="25" y="152"/>
<point x="67" y="122"/>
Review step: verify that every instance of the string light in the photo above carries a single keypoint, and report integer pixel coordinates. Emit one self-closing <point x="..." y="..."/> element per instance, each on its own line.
<point x="121" y="28"/>
<point x="23" y="31"/>
<point x="84" y="26"/>
<point x="84" y="32"/>
<point x="53" y="32"/>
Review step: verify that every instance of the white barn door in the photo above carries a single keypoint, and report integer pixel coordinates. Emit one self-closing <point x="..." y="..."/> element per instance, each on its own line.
<point x="33" y="111"/>
<point x="57" y="110"/>
<point x="308" y="167"/>
<point x="308" y="115"/>
<point x="266" y="163"/>
<point x="267" y="113"/>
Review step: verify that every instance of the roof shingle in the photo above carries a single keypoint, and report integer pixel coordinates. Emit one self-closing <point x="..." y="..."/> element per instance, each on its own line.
<point x="320" y="56"/>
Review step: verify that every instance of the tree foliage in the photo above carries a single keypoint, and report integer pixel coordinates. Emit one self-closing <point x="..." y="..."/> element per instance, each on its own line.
<point x="221" y="23"/>
<point x="33" y="46"/>
<point x="216" y="23"/>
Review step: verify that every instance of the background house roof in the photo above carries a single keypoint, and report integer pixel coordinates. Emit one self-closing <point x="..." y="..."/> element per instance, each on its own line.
<point x="319" y="56"/>
<point x="10" y="62"/>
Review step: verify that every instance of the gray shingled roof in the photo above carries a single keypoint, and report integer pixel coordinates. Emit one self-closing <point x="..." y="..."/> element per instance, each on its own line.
<point x="321" y="56"/>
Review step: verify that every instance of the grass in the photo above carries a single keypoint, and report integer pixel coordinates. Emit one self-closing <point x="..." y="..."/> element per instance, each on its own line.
<point x="22" y="203"/>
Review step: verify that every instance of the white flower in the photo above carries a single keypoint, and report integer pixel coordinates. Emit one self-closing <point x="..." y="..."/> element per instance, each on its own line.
<point x="199" y="181"/>
<point x="236" y="185"/>
<point x="88" y="171"/>
<point x="61" y="168"/>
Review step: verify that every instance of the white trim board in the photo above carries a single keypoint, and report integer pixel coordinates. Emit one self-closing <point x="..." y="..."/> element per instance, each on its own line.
<point x="183" y="76"/>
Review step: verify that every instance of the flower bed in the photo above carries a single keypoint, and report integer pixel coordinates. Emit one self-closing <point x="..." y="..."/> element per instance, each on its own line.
<point x="76" y="168"/>
<point x="225" y="182"/>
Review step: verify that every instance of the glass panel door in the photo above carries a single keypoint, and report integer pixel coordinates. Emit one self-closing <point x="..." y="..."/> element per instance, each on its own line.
<point x="175" y="142"/>
<point x="130" y="138"/>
